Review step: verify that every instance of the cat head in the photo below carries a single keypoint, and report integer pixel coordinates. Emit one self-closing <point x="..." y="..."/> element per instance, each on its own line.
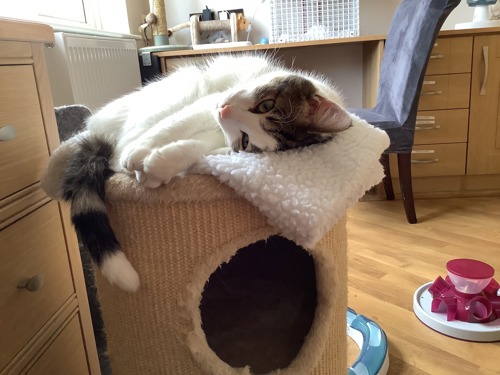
<point x="279" y="113"/>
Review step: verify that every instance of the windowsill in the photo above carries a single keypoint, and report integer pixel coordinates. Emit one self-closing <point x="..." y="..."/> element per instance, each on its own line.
<point x="93" y="32"/>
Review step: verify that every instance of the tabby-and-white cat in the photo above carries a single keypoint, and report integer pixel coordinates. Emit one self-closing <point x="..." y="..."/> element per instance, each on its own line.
<point x="245" y="103"/>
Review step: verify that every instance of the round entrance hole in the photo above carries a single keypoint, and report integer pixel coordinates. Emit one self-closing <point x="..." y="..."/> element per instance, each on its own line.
<point x="257" y="309"/>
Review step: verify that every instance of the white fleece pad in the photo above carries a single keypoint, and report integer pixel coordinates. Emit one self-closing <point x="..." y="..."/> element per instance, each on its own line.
<point x="304" y="192"/>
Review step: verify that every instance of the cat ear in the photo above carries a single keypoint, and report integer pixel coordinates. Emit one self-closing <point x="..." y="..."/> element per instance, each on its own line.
<point x="327" y="116"/>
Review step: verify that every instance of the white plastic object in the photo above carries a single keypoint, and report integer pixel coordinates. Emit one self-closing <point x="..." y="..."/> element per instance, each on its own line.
<point x="482" y="332"/>
<point x="480" y="19"/>
<point x="481" y="13"/>
<point x="7" y="133"/>
<point x="468" y="286"/>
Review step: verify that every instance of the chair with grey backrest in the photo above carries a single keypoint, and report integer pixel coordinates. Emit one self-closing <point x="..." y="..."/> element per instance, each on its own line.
<point x="409" y="42"/>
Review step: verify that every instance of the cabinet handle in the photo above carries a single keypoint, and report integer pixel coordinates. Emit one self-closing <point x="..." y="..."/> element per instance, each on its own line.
<point x="425" y="120"/>
<point x="7" y="133"/>
<point x="34" y="284"/>
<point x="424" y="161"/>
<point x="485" y="78"/>
<point x="436" y="56"/>
<point x="437" y="92"/>
<point x="432" y="127"/>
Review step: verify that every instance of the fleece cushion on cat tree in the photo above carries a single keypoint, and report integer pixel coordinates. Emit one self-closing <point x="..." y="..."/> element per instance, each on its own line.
<point x="244" y="272"/>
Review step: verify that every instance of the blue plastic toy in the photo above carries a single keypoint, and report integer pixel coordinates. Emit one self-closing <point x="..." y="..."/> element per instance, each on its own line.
<point x="373" y="358"/>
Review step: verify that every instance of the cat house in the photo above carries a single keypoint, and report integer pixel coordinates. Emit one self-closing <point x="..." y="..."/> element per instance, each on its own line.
<point x="221" y="291"/>
<point x="242" y="262"/>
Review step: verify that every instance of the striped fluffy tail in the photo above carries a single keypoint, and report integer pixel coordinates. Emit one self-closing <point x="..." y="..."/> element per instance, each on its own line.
<point x="84" y="187"/>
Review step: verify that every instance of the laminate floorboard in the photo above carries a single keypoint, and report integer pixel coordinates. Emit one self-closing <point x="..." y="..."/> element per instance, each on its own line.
<point x="390" y="259"/>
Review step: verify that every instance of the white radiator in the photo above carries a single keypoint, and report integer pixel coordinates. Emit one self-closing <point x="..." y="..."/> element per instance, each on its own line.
<point x="91" y="70"/>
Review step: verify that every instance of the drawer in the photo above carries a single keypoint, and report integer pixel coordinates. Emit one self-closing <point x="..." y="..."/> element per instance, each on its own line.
<point x="445" y="92"/>
<point x="9" y="49"/>
<point x="451" y="55"/>
<point x="66" y="354"/>
<point x="34" y="245"/>
<point x="445" y="126"/>
<point x="435" y="160"/>
<point x="23" y="158"/>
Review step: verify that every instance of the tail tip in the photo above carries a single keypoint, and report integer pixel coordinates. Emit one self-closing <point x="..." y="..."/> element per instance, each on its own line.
<point x="118" y="271"/>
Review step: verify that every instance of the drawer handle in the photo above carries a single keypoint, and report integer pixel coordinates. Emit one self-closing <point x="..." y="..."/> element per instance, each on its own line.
<point x="425" y="120"/>
<point x="432" y="127"/>
<point x="429" y="82"/>
<point x="7" y="133"/>
<point x="436" y="56"/>
<point x="437" y="92"/>
<point x="485" y="78"/>
<point x="424" y="161"/>
<point x="34" y="284"/>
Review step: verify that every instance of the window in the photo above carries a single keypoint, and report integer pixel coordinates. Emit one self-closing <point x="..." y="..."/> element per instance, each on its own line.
<point x="80" y="13"/>
<point x="107" y="15"/>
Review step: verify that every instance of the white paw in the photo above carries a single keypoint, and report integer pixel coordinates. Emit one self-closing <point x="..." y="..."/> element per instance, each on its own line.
<point x="118" y="270"/>
<point x="163" y="164"/>
<point x="152" y="166"/>
<point x="148" y="180"/>
<point x="132" y="157"/>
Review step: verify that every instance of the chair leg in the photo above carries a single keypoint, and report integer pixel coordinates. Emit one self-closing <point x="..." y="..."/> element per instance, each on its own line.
<point x="387" y="180"/>
<point x="404" y="167"/>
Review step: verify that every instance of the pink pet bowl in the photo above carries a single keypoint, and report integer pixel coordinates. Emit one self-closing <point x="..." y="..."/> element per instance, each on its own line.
<point x="466" y="304"/>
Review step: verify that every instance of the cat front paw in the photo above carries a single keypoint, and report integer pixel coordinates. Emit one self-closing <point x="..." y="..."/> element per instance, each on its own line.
<point x="153" y="166"/>
<point x="132" y="158"/>
<point x="136" y="161"/>
<point x="148" y="180"/>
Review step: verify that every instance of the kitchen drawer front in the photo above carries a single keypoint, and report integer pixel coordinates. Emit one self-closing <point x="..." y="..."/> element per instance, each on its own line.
<point x="451" y="55"/>
<point x="435" y="160"/>
<point x="34" y="245"/>
<point x="9" y="49"/>
<point x="445" y="92"/>
<point x="444" y="126"/>
<point x="22" y="158"/>
<point x="65" y="355"/>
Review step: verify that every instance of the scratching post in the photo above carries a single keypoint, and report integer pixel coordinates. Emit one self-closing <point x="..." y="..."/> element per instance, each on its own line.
<point x="160" y="32"/>
<point x="197" y="27"/>
<point x="221" y="292"/>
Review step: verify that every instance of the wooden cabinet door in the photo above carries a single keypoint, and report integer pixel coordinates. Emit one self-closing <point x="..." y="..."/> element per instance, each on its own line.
<point x="483" y="155"/>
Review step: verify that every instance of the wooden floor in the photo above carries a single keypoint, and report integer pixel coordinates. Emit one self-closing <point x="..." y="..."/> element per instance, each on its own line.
<point x="389" y="259"/>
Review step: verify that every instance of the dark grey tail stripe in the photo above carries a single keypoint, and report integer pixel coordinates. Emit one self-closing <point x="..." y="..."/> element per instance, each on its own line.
<point x="95" y="233"/>
<point x="84" y="187"/>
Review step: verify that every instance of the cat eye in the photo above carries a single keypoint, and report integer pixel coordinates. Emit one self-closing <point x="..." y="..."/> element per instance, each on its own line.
<point x="244" y="140"/>
<point x="265" y="106"/>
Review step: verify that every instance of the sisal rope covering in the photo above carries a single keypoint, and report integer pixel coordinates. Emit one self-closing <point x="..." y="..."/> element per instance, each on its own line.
<point x="176" y="236"/>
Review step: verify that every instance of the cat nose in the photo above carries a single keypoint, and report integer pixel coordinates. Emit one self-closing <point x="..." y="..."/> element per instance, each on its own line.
<point x="225" y="111"/>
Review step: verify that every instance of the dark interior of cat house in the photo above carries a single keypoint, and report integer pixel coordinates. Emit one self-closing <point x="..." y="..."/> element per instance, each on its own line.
<point x="257" y="309"/>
